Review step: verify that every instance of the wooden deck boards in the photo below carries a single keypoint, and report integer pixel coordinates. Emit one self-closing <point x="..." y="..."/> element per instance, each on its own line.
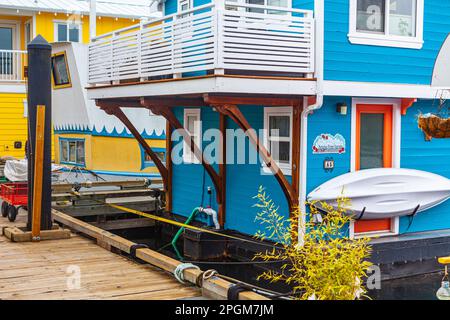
<point x="40" y="271"/>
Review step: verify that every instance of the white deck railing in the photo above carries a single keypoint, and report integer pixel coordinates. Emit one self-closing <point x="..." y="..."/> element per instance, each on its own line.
<point x="12" y="64"/>
<point x="209" y="37"/>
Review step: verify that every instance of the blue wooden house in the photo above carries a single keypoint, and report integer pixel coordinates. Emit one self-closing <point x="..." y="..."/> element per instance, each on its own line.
<point x="340" y="82"/>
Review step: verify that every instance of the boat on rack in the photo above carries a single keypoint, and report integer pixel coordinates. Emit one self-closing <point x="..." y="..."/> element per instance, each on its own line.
<point x="384" y="193"/>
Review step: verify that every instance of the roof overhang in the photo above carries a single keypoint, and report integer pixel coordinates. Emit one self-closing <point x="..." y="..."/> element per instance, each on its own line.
<point x="207" y="85"/>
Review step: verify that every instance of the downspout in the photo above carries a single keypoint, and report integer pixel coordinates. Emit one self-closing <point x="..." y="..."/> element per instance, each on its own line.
<point x="307" y="110"/>
<point x="92" y="19"/>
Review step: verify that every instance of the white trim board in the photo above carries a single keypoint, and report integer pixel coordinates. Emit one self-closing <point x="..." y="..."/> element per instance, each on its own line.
<point x="13" y="88"/>
<point x="278" y="111"/>
<point x="396" y="149"/>
<point x="210" y="84"/>
<point x="377" y="89"/>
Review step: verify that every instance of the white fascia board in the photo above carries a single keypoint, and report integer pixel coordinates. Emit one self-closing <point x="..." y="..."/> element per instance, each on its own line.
<point x="207" y="85"/>
<point x="373" y="89"/>
<point x="13" y="88"/>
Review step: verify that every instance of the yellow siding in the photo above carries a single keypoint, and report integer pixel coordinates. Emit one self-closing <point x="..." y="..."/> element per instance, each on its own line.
<point x="111" y="153"/>
<point x="13" y="124"/>
<point x="45" y="25"/>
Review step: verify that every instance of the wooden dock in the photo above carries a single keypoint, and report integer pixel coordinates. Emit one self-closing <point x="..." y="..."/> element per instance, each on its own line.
<point x="44" y="270"/>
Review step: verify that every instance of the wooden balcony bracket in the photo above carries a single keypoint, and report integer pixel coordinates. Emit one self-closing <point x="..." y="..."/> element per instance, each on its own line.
<point x="290" y="192"/>
<point x="166" y="112"/>
<point x="113" y="108"/>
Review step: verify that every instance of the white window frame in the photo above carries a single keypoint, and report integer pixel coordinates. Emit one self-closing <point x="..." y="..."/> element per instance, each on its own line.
<point x="29" y="22"/>
<point x="180" y="2"/>
<point x="386" y="40"/>
<point x="16" y="32"/>
<point x="396" y="150"/>
<point x="68" y="23"/>
<point x="278" y="111"/>
<point x="188" y="156"/>
<point x="287" y="13"/>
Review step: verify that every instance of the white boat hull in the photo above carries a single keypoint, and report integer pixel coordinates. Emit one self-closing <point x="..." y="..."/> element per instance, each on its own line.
<point x="384" y="193"/>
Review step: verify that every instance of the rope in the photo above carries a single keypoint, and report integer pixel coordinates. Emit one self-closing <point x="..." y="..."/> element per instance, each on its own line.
<point x="179" y="271"/>
<point x="205" y="275"/>
<point x="183" y="225"/>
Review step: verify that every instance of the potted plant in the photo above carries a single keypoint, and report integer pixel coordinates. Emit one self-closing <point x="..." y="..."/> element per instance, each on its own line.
<point x="436" y="125"/>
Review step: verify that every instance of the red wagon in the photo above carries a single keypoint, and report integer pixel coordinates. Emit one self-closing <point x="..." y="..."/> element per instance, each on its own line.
<point x="14" y="196"/>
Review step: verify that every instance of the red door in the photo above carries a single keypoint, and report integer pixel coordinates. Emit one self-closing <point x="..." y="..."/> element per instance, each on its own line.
<point x="373" y="150"/>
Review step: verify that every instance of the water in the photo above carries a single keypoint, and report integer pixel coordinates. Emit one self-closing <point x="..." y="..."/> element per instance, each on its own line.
<point x="413" y="288"/>
<point x="422" y="287"/>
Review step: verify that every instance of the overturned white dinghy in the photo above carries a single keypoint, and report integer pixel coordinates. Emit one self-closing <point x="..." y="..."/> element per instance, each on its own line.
<point x="384" y="193"/>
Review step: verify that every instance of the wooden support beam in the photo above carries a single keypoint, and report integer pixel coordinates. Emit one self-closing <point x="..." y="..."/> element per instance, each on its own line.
<point x="168" y="114"/>
<point x="113" y="109"/>
<point x="169" y="165"/>
<point x="122" y="224"/>
<point x="296" y="124"/>
<point x="234" y="113"/>
<point x="38" y="173"/>
<point x="222" y="167"/>
<point x="250" y="100"/>
<point x="213" y="287"/>
<point x="161" y="100"/>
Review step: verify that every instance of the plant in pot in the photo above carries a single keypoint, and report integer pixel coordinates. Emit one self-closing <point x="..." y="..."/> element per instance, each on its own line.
<point x="436" y="125"/>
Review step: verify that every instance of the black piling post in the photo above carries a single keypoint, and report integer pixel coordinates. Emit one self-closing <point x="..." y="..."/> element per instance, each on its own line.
<point x="39" y="93"/>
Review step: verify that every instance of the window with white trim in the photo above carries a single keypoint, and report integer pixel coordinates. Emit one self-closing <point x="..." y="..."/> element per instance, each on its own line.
<point x="265" y="3"/>
<point x="193" y="125"/>
<point x="67" y="31"/>
<point x="72" y="151"/>
<point x="391" y="23"/>
<point x="278" y="136"/>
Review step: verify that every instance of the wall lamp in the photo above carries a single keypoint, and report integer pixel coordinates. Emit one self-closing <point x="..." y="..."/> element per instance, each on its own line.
<point x="342" y="108"/>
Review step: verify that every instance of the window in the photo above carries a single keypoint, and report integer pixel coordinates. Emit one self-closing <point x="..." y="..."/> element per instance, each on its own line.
<point x="184" y="5"/>
<point x="147" y="161"/>
<point x="193" y="126"/>
<point x="60" y="71"/>
<point x="28" y="33"/>
<point x="278" y="136"/>
<point x="270" y="3"/>
<point x="7" y="35"/>
<point x="393" y="23"/>
<point x="67" y="31"/>
<point x="72" y="151"/>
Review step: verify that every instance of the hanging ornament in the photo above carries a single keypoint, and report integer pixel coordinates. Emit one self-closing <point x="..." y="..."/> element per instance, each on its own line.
<point x="444" y="291"/>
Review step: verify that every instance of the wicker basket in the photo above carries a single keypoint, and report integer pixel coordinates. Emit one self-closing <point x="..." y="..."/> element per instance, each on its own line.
<point x="434" y="126"/>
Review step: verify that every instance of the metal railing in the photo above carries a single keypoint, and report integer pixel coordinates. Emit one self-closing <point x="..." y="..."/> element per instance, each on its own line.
<point x="209" y="37"/>
<point x="12" y="65"/>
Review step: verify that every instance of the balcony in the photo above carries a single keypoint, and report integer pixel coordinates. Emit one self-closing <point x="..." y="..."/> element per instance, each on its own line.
<point x="12" y="66"/>
<point x="216" y="38"/>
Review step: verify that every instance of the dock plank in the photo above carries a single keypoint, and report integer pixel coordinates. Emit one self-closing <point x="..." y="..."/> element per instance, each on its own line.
<point x="40" y="271"/>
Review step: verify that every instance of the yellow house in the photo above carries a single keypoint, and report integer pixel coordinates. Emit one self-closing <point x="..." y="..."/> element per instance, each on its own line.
<point x="56" y="21"/>
<point x="85" y="136"/>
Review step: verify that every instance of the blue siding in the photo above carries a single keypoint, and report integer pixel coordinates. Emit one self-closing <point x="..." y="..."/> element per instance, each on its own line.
<point x="171" y="6"/>
<point x="416" y="153"/>
<point x="243" y="180"/>
<point x="430" y="156"/>
<point x="187" y="179"/>
<point x="349" y="62"/>
<point x="327" y="120"/>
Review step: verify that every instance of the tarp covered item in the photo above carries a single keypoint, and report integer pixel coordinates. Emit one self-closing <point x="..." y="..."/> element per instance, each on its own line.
<point x="17" y="170"/>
